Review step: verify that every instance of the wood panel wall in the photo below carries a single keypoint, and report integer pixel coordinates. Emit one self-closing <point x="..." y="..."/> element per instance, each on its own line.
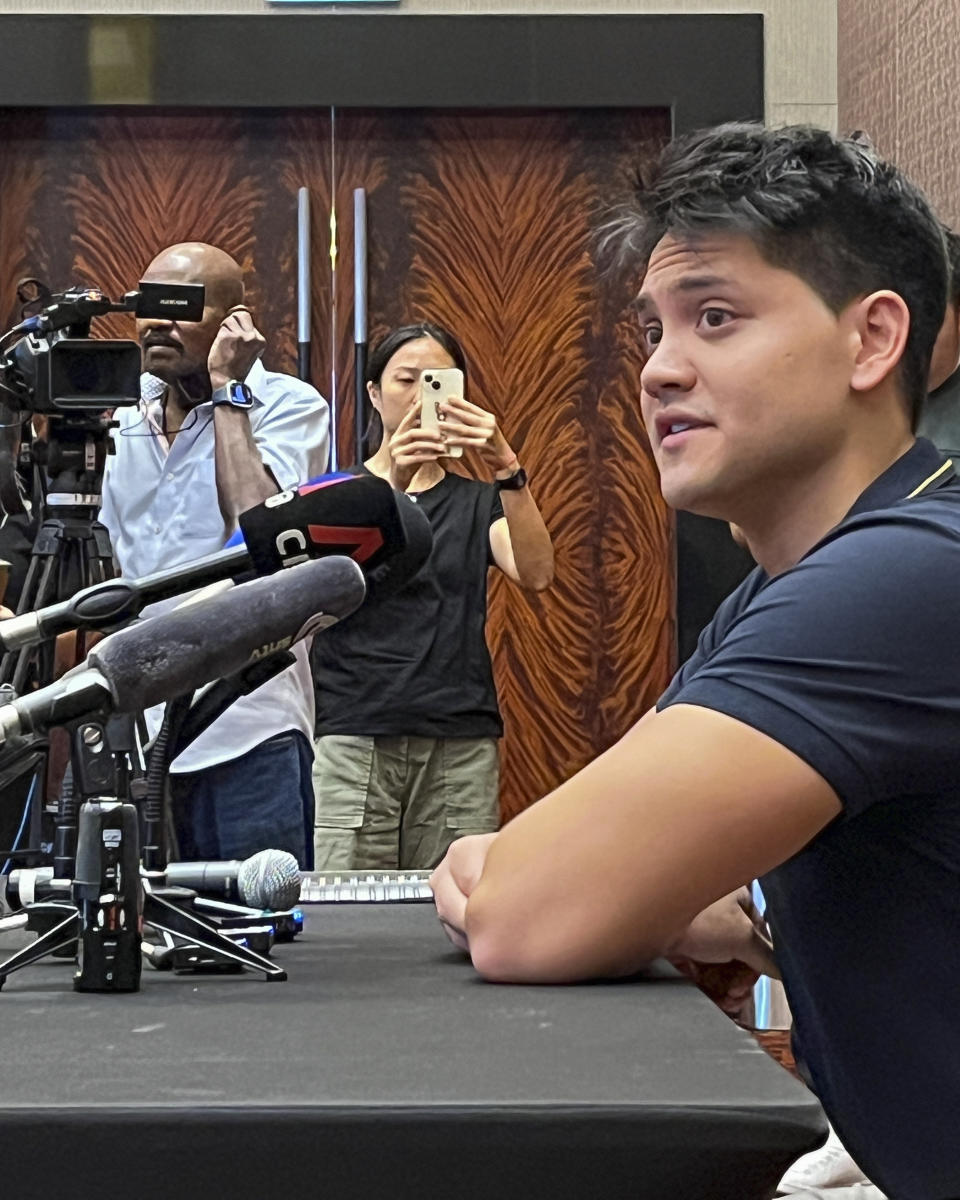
<point x="898" y="71"/>
<point x="482" y="221"/>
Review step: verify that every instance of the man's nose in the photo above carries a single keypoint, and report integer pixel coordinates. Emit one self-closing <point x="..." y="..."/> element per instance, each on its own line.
<point x="668" y="370"/>
<point x="154" y="325"/>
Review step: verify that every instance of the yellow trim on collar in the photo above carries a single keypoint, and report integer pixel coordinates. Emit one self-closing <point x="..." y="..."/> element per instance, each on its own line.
<point x="930" y="478"/>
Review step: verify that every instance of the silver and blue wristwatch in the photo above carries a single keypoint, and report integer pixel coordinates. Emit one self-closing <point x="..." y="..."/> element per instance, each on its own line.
<point x="233" y="393"/>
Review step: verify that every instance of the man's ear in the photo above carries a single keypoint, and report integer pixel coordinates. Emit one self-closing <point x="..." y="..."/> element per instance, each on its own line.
<point x="881" y="322"/>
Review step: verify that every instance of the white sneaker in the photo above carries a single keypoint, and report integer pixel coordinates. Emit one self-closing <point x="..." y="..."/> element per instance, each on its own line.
<point x="859" y="1191"/>
<point x="829" y="1168"/>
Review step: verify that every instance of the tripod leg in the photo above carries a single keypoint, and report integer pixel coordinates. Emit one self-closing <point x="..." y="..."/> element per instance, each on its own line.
<point x="164" y="915"/>
<point x="60" y="924"/>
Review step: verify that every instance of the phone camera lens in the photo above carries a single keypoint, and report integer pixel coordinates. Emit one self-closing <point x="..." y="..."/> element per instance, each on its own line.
<point x="435" y="384"/>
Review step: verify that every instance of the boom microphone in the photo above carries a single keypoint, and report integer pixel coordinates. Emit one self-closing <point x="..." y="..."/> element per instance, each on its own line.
<point x="179" y="651"/>
<point x="269" y="879"/>
<point x="357" y="515"/>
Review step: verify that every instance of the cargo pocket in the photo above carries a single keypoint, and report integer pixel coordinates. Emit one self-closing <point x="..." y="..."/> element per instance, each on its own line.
<point x="471" y="785"/>
<point x="341" y="780"/>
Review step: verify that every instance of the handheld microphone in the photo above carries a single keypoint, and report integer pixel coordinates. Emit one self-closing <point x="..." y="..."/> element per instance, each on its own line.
<point x="177" y="652"/>
<point x="278" y="533"/>
<point x="267" y="880"/>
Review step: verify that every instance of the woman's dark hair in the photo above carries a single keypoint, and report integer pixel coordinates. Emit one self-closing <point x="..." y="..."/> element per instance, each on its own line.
<point x="387" y="347"/>
<point x="825" y="208"/>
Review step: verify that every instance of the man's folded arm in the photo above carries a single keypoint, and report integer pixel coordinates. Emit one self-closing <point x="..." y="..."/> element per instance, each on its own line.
<point x="606" y="873"/>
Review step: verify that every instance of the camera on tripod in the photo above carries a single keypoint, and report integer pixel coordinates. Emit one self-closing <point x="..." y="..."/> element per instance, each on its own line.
<point x="55" y="367"/>
<point x="51" y="367"/>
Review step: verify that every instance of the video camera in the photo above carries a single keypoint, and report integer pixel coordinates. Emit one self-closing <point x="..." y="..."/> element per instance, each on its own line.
<point x="55" y="367"/>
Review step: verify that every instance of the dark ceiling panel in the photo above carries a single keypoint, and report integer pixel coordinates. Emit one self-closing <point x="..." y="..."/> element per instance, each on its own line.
<point x="704" y="68"/>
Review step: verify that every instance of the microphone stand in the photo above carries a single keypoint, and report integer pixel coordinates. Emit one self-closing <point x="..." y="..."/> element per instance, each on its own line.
<point x="190" y="940"/>
<point x="112" y="891"/>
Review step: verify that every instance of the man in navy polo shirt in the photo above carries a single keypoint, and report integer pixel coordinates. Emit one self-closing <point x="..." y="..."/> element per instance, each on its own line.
<point x="792" y="290"/>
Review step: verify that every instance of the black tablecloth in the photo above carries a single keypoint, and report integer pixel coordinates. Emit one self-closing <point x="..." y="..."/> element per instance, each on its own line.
<point x="385" y="1067"/>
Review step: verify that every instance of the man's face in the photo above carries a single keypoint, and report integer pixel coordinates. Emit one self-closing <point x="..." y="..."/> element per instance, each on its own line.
<point x="171" y="349"/>
<point x="746" y="391"/>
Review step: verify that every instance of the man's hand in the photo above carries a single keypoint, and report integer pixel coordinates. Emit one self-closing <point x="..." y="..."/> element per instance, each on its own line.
<point x="453" y="881"/>
<point x="235" y="349"/>
<point x="725" y="949"/>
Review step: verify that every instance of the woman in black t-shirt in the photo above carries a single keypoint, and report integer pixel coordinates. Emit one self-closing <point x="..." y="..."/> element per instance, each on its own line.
<point x="407" y="717"/>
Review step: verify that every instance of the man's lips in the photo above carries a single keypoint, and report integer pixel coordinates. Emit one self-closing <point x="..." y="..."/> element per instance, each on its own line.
<point x="674" y="429"/>
<point x="161" y="344"/>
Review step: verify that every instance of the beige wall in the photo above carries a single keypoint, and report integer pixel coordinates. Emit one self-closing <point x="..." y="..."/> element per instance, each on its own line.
<point x="899" y="73"/>
<point x="800" y="35"/>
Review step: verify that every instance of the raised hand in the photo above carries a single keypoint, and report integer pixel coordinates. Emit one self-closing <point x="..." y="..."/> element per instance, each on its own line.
<point x="466" y="424"/>
<point x="236" y="347"/>
<point x="411" y="446"/>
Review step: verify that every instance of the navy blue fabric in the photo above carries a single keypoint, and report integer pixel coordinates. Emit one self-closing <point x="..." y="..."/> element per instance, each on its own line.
<point x="851" y="659"/>
<point x="259" y="801"/>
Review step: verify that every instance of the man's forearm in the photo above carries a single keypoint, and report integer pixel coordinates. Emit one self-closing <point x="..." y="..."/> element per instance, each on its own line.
<point x="242" y="479"/>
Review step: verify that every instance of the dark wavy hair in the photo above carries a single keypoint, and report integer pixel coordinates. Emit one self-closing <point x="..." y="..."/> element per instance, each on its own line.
<point x="825" y="208"/>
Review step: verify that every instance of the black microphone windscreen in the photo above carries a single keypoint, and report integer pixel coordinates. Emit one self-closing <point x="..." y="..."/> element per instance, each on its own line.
<point x="358" y="515"/>
<point x="212" y="637"/>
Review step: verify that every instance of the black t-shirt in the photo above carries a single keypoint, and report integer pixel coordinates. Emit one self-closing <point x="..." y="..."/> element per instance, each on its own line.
<point x="416" y="663"/>
<point x="850" y="659"/>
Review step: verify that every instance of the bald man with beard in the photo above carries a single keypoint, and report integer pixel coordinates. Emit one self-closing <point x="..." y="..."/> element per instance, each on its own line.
<point x="216" y="433"/>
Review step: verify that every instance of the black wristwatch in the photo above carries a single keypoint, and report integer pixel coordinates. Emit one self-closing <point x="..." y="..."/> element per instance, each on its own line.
<point x="514" y="482"/>
<point x="234" y="393"/>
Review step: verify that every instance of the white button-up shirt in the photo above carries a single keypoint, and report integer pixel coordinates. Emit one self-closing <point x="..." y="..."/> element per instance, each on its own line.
<point x="161" y="508"/>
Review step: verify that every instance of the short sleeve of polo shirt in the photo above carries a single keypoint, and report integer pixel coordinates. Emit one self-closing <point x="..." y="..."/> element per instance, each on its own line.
<point x="851" y="659"/>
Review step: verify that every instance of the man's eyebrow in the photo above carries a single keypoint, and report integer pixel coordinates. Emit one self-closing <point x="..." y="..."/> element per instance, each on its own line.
<point x="687" y="283"/>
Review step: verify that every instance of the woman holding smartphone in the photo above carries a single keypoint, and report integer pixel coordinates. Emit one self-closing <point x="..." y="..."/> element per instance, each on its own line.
<point x="407" y="755"/>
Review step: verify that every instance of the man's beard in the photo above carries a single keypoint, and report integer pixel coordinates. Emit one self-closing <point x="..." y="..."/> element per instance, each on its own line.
<point x="191" y="386"/>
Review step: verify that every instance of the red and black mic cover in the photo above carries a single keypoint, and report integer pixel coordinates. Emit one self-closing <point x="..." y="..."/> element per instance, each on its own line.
<point x="359" y="516"/>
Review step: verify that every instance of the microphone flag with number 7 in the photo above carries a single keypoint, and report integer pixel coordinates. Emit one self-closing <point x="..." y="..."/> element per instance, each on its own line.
<point x="362" y="518"/>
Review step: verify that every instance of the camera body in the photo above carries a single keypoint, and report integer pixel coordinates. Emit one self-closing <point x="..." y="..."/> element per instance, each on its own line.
<point x="67" y="374"/>
<point x="56" y="367"/>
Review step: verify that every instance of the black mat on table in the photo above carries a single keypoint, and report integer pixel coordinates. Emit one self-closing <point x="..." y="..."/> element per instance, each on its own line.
<point x="385" y="1067"/>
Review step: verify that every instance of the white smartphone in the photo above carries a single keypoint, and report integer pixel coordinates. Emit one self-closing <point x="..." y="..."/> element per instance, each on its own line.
<point x="436" y="384"/>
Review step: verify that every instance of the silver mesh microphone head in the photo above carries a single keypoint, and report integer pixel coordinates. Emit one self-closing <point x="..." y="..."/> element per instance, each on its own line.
<point x="270" y="879"/>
